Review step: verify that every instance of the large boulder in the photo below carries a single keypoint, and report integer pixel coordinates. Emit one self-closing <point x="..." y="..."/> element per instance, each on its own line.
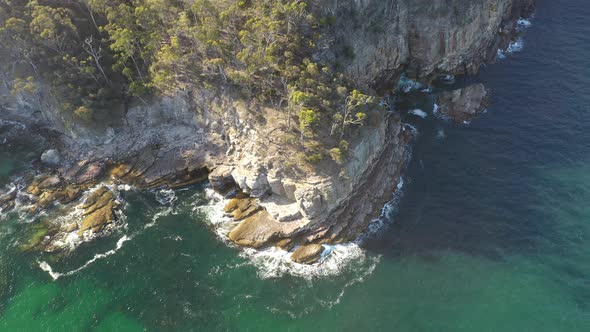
<point x="252" y="182"/>
<point x="308" y="254"/>
<point x="464" y="104"/>
<point x="256" y="231"/>
<point x="262" y="230"/>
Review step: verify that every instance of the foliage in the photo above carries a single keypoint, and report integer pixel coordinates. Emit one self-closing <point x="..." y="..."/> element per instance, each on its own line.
<point x="95" y="53"/>
<point x="337" y="155"/>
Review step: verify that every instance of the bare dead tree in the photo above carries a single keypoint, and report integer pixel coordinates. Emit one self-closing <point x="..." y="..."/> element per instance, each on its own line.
<point x="96" y="53"/>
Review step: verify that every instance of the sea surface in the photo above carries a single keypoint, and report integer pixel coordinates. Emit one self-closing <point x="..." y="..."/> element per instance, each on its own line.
<point x="492" y="232"/>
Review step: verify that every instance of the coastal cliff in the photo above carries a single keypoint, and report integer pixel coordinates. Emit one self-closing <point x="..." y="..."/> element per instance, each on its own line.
<point x="255" y="153"/>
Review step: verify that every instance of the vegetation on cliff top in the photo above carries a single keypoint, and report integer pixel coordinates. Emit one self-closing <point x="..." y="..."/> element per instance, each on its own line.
<point x="97" y="53"/>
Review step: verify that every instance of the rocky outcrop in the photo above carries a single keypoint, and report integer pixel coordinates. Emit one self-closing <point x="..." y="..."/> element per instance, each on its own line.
<point x="261" y="230"/>
<point x="242" y="208"/>
<point x="47" y="189"/>
<point x="464" y="104"/>
<point x="330" y="209"/>
<point x="308" y="254"/>
<point x="373" y="188"/>
<point x="99" y="211"/>
<point x="153" y="168"/>
<point x="92" y="217"/>
<point x="199" y="134"/>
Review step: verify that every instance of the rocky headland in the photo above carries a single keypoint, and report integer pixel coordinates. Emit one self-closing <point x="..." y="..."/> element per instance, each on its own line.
<point x="240" y="148"/>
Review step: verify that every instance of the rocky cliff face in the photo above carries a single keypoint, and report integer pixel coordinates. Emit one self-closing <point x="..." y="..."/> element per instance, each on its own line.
<point x="177" y="141"/>
<point x="378" y="40"/>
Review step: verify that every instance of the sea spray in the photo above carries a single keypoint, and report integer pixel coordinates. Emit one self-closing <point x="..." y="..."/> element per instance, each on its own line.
<point x="523" y="23"/>
<point x="516" y="45"/>
<point x="165" y="196"/>
<point x="419" y="113"/>
<point x="275" y="262"/>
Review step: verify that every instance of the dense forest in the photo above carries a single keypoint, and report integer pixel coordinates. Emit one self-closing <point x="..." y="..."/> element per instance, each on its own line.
<point x="97" y="53"/>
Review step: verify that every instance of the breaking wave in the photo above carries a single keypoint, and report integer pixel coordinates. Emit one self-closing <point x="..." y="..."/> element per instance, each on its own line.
<point x="56" y="275"/>
<point x="275" y="263"/>
<point x="524" y="23"/>
<point x="418" y="112"/>
<point x="514" y="47"/>
<point x="165" y="196"/>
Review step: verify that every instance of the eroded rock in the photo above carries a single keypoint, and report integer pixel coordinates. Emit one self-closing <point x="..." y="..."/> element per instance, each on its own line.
<point x="464" y="104"/>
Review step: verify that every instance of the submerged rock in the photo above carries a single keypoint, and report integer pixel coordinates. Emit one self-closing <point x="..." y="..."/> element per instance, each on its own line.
<point x="36" y="235"/>
<point x="308" y="254"/>
<point x="463" y="104"/>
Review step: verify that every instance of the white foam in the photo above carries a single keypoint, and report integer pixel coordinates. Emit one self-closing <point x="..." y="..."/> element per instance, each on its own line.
<point x="418" y="112"/>
<point x="56" y="275"/>
<point x="514" y="47"/>
<point x="125" y="187"/>
<point x="165" y="196"/>
<point x="216" y="218"/>
<point x="407" y="126"/>
<point x="523" y="23"/>
<point x="435" y="108"/>
<point x="274" y="262"/>
<point x="157" y="216"/>
<point x="448" y="79"/>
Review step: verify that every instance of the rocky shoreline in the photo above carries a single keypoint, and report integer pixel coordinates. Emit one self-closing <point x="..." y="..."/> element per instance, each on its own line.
<point x="198" y="136"/>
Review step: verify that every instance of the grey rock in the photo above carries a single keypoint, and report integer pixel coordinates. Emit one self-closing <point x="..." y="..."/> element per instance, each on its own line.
<point x="221" y="179"/>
